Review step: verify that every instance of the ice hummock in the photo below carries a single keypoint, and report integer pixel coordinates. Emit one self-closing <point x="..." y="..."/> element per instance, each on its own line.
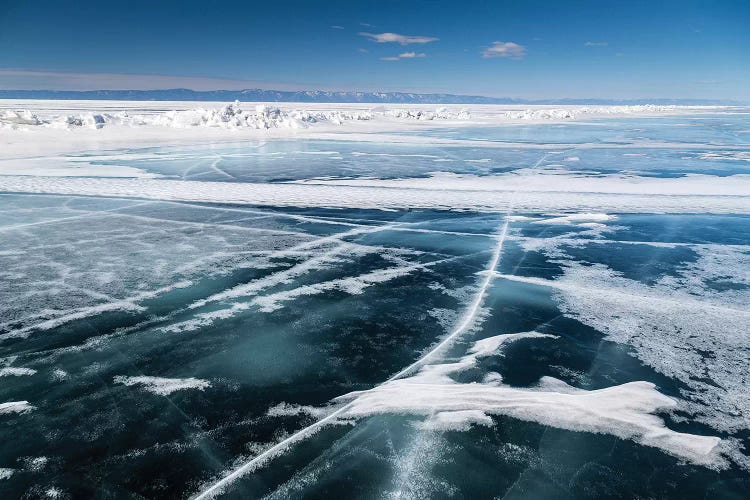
<point x="230" y="116"/>
<point x="262" y="116"/>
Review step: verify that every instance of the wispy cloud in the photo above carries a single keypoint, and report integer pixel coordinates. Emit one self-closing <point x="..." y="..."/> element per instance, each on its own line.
<point x="396" y="38"/>
<point x="405" y="55"/>
<point x="363" y="51"/>
<point x="337" y="27"/>
<point x="509" y="50"/>
<point x="596" y="44"/>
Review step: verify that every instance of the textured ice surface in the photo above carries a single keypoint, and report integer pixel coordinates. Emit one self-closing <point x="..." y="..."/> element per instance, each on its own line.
<point x="681" y="325"/>
<point x="48" y="282"/>
<point x="532" y="310"/>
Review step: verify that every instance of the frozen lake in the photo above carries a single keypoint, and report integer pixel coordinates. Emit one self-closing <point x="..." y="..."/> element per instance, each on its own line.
<point x="478" y="310"/>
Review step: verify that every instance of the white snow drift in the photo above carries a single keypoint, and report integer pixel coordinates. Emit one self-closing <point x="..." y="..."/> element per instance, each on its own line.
<point x="522" y="193"/>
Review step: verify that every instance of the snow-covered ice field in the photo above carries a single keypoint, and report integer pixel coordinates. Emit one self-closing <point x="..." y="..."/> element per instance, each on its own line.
<point x="307" y="300"/>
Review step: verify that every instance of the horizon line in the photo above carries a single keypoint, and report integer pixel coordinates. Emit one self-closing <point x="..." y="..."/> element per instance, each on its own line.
<point x="520" y="100"/>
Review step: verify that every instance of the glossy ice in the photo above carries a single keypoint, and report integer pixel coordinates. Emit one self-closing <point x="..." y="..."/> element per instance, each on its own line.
<point x="168" y="349"/>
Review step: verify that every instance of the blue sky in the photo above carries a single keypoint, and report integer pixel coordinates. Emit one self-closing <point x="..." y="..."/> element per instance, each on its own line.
<point x="529" y="49"/>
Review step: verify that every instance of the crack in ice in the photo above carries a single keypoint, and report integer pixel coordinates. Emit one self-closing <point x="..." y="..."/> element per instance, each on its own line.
<point x="468" y="320"/>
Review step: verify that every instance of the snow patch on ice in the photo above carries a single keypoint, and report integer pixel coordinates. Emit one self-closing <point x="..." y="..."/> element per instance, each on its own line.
<point x="287" y="409"/>
<point x="588" y="220"/>
<point x="528" y="193"/>
<point x="533" y="180"/>
<point x="353" y="285"/>
<point x="163" y="386"/>
<point x="35" y="464"/>
<point x="54" y="493"/>
<point x="491" y="345"/>
<point x="682" y="325"/>
<point x="626" y="411"/>
<point x="726" y="155"/>
<point x="460" y="420"/>
<point x="15" y="407"/>
<point x="16" y="371"/>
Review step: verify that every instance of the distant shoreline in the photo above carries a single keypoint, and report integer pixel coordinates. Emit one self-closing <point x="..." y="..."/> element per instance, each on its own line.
<point x="318" y="96"/>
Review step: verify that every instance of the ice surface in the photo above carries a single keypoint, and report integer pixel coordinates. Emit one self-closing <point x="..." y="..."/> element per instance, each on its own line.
<point x="303" y="345"/>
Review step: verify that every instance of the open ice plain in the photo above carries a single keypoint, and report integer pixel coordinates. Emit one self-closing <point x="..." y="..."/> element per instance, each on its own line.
<point x="387" y="303"/>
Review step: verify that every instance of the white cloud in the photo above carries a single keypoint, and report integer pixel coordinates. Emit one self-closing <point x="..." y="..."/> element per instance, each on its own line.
<point x="396" y="38"/>
<point x="510" y="50"/>
<point x="596" y="44"/>
<point x="337" y="27"/>
<point x="405" y="55"/>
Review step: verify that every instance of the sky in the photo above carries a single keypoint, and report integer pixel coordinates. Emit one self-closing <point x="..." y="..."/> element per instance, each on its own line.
<point x="529" y="49"/>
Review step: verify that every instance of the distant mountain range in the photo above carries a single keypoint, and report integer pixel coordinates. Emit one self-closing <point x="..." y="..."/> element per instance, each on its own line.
<point x="262" y="95"/>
